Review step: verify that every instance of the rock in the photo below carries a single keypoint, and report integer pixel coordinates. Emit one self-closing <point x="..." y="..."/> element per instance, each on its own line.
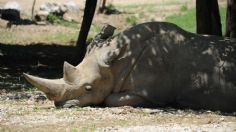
<point x="63" y="9"/>
<point x="12" y="5"/>
<point x="72" y="6"/>
<point x="42" y="15"/>
<point x="222" y="119"/>
<point x="10" y="14"/>
<point x="50" y="8"/>
<point x="3" y="24"/>
<point x="54" y="8"/>
<point x="41" y="23"/>
<point x="67" y="17"/>
<point x="71" y="16"/>
<point x="117" y="111"/>
<point x="66" y="10"/>
<point x="11" y="11"/>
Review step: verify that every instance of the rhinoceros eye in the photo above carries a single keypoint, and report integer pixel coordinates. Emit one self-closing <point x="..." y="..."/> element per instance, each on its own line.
<point x="88" y="87"/>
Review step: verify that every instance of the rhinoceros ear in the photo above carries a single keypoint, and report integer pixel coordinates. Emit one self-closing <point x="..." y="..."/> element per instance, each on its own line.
<point x="69" y="72"/>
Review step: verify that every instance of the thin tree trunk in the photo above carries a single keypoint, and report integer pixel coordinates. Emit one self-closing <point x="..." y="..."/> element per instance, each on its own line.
<point x="89" y="11"/>
<point x="231" y="19"/>
<point x="216" y="21"/>
<point x="102" y="7"/>
<point x="32" y="11"/>
<point x="208" y="17"/>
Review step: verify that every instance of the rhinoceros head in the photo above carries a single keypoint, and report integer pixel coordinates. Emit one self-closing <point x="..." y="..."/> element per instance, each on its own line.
<point x="90" y="82"/>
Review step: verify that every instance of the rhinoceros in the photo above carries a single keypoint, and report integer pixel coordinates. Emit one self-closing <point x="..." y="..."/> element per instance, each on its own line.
<point x="153" y="64"/>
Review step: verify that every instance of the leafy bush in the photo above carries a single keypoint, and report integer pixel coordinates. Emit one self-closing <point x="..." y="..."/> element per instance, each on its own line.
<point x="131" y="20"/>
<point x="108" y="10"/>
<point x="53" y="18"/>
<point x="184" y="8"/>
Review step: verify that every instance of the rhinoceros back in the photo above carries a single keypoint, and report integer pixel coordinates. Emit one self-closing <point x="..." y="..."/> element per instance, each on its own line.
<point x="144" y="66"/>
<point x="167" y="65"/>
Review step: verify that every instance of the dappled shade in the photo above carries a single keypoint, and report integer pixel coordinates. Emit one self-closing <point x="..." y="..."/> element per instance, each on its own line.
<point x="40" y="59"/>
<point x="155" y="64"/>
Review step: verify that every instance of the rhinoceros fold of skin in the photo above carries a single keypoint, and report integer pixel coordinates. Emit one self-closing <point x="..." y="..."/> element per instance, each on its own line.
<point x="152" y="64"/>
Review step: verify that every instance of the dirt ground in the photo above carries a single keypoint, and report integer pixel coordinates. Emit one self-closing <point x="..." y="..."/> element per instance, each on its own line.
<point x="31" y="111"/>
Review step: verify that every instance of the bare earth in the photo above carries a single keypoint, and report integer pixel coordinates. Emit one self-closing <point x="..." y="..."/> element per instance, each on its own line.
<point x="31" y="111"/>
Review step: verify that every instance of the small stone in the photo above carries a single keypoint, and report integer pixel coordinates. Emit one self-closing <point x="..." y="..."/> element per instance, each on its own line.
<point x="3" y="23"/>
<point x="117" y="111"/>
<point x="12" y="5"/>
<point x="222" y="119"/>
<point x="41" y="15"/>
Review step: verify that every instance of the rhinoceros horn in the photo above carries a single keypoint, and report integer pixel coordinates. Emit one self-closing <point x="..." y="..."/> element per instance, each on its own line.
<point x="69" y="72"/>
<point x="48" y="86"/>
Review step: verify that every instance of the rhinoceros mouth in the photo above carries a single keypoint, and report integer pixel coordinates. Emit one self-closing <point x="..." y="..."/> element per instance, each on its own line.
<point x="67" y="104"/>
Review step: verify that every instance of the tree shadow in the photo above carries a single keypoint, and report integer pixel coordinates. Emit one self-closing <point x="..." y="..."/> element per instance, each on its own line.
<point x="37" y="59"/>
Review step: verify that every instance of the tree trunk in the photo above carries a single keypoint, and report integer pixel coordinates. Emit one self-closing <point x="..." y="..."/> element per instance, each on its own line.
<point x="32" y="11"/>
<point x="208" y="17"/>
<point x="89" y="11"/>
<point x="231" y="19"/>
<point x="102" y="7"/>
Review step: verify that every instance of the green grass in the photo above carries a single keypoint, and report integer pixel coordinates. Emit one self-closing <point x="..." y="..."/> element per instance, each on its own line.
<point x="64" y="37"/>
<point x="186" y="19"/>
<point x="70" y="24"/>
<point x="11" y="37"/>
<point x="91" y="128"/>
<point x="132" y="20"/>
<point x="223" y="18"/>
<point x="58" y="20"/>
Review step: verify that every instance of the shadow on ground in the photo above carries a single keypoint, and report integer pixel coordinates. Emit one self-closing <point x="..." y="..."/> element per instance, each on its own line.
<point x="36" y="59"/>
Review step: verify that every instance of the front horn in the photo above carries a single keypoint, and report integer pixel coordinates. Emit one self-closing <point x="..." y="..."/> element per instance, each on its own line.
<point x="48" y="86"/>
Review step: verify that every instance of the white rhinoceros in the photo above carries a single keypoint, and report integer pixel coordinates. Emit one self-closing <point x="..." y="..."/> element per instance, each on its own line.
<point x="152" y="64"/>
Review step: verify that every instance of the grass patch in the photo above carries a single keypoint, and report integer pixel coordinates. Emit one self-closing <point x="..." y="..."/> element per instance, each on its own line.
<point x="23" y="37"/>
<point x="91" y="128"/>
<point x="137" y="8"/>
<point x="186" y="18"/>
<point x="131" y="20"/>
<point x="72" y="24"/>
<point x="6" y="35"/>
<point x="184" y="8"/>
<point x="55" y="37"/>
<point x="223" y="18"/>
<point x="54" y="19"/>
<point x="58" y="20"/>
<point x="94" y="30"/>
<point x="65" y="37"/>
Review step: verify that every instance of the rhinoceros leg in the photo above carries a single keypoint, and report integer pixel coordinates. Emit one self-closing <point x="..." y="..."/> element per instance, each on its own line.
<point x="126" y="99"/>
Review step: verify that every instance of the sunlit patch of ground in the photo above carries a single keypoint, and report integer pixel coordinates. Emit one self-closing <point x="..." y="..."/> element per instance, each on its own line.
<point x="39" y="114"/>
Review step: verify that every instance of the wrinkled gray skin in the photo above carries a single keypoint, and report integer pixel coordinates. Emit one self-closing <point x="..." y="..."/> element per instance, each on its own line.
<point x="150" y="65"/>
